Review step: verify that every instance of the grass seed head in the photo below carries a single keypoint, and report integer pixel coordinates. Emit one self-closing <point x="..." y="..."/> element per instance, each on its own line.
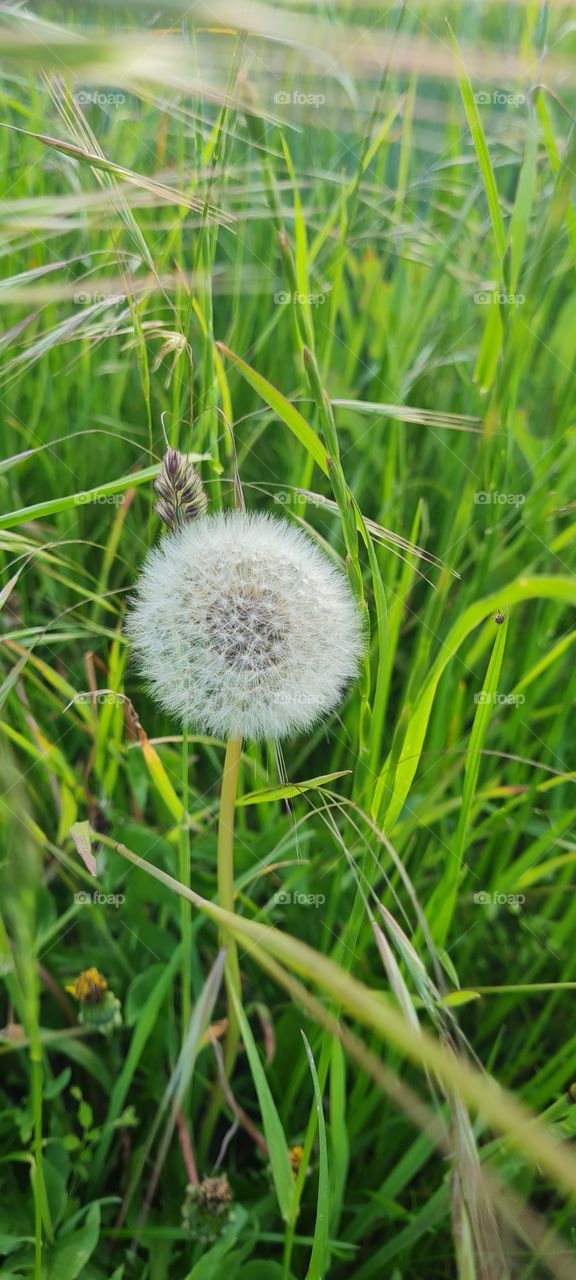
<point x="179" y="488"/>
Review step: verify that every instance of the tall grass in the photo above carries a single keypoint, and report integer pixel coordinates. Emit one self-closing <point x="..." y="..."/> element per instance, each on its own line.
<point x="330" y="256"/>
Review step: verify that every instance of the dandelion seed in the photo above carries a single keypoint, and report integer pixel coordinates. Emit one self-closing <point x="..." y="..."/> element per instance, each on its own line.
<point x="244" y="628"/>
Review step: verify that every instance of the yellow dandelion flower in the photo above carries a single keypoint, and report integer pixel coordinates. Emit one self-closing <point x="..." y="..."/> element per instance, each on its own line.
<point x="89" y="987"/>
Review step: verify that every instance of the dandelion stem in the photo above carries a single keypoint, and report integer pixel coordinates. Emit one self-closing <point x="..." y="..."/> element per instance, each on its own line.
<point x="226" y="900"/>
<point x="185" y="909"/>
<point x="226" y="887"/>
<point x="39" y="1192"/>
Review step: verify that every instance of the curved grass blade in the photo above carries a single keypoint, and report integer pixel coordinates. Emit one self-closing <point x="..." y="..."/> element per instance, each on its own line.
<point x="118" y="171"/>
<point x="39" y="510"/>
<point x="266" y="794"/>
<point x="282" y="407"/>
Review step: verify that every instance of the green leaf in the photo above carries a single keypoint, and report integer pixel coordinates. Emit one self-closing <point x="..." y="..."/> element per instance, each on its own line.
<point x="274" y="1133"/>
<point x="479" y="140"/>
<point x="12" y="678"/>
<point x="8" y="588"/>
<point x="142" y="1032"/>
<point x="456" y="998"/>
<point x="81" y="837"/>
<point x="479" y="728"/>
<point x="266" y="794"/>
<point x="300" y="249"/>
<point x="217" y="1262"/>
<point x="534" y="874"/>
<point x="520" y="220"/>
<point x="85" y="1115"/>
<point x="490" y="348"/>
<point x="262" y="1271"/>
<point x="320" y="1245"/>
<point x="339" y="1140"/>
<point x="282" y="407"/>
<point x="39" y="510"/>
<point x="443" y="899"/>
<point x="67" y="1258"/>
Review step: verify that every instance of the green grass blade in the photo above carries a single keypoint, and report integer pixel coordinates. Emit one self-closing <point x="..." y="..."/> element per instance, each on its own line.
<point x="442" y="906"/>
<point x="320" y="1246"/>
<point x="266" y="794"/>
<point x="274" y="1133"/>
<point x="53" y="506"/>
<point x="282" y="407"/>
<point x="482" y="152"/>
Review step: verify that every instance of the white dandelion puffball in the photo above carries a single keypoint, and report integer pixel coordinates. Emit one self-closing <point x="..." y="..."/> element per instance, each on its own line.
<point x="243" y="627"/>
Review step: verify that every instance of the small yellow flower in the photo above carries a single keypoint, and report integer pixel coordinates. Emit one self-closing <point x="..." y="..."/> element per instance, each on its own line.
<point x="295" y="1157"/>
<point x="99" y="1007"/>
<point x="89" y="987"/>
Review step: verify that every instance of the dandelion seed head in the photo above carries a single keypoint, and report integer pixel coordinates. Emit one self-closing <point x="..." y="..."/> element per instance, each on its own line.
<point x="244" y="628"/>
